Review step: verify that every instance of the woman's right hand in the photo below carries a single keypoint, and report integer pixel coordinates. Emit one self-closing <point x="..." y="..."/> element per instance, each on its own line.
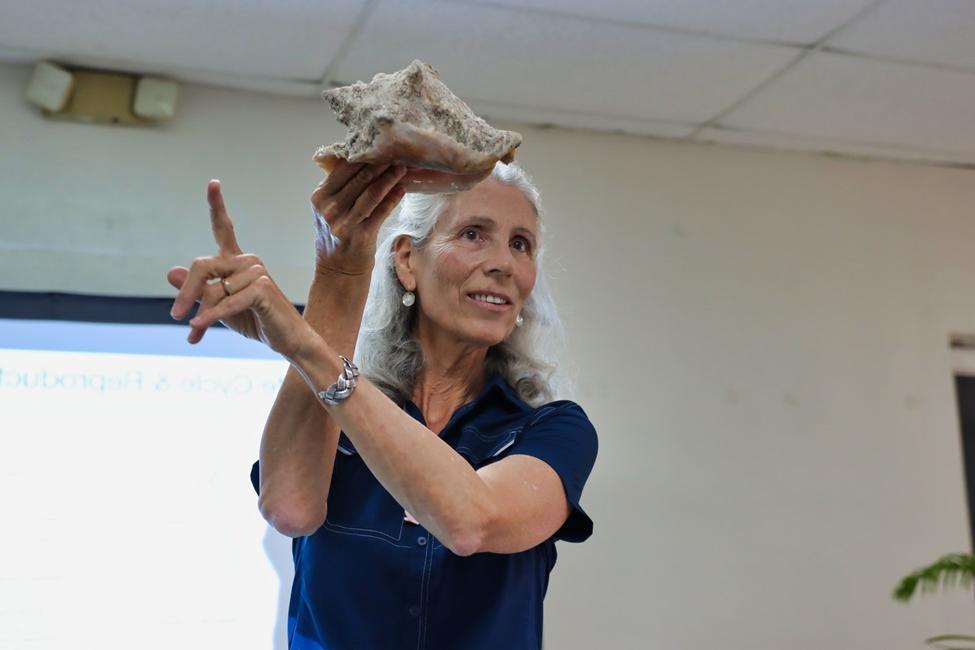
<point x="244" y="323"/>
<point x="351" y="204"/>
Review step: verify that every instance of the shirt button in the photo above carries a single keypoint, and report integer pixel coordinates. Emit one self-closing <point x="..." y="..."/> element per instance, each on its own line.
<point x="414" y="611"/>
<point x="421" y="541"/>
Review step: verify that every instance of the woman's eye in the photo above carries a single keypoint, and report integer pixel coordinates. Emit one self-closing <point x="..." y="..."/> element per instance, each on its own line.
<point x="521" y="245"/>
<point x="470" y="233"/>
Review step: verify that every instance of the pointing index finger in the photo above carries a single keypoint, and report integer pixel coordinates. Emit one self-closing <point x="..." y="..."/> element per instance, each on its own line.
<point x="223" y="227"/>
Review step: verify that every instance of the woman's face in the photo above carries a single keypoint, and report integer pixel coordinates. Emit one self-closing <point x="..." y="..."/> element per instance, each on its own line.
<point x="481" y="253"/>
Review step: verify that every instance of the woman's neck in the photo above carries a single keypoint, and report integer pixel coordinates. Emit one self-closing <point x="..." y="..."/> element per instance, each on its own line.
<point x="452" y="375"/>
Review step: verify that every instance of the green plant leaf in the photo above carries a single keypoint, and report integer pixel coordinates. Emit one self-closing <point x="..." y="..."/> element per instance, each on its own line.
<point x="949" y="571"/>
<point x="950" y="637"/>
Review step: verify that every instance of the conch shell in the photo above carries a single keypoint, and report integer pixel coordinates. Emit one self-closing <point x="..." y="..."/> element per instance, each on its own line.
<point x="411" y="118"/>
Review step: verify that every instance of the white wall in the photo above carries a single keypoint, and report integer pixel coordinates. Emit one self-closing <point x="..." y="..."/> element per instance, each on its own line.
<point x="761" y="339"/>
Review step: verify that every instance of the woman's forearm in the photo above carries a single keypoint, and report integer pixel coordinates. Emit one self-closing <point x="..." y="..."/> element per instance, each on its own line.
<point x="299" y="441"/>
<point x="416" y="467"/>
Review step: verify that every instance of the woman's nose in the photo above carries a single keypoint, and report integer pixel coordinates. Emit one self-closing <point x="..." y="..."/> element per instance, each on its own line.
<point x="501" y="261"/>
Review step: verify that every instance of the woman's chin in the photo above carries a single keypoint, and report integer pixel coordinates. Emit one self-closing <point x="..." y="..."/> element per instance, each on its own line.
<point x="487" y="337"/>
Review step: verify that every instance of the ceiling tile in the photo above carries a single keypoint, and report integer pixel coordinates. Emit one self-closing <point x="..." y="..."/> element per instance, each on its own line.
<point x="492" y="112"/>
<point x="792" y="21"/>
<point x="17" y="55"/>
<point x="829" y="146"/>
<point x="293" y="39"/>
<point x="860" y="100"/>
<point x="268" y="85"/>
<point x="932" y="31"/>
<point x="569" y="64"/>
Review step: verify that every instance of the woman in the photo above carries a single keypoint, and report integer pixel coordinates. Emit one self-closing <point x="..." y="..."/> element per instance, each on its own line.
<point x="425" y="496"/>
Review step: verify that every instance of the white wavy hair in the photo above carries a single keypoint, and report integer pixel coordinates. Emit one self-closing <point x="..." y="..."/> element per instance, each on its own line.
<point x="387" y="350"/>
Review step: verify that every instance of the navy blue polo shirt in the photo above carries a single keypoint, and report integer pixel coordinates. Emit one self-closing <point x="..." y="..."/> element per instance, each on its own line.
<point x="370" y="580"/>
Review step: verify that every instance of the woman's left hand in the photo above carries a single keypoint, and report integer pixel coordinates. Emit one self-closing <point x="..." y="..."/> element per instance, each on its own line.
<point x="236" y="289"/>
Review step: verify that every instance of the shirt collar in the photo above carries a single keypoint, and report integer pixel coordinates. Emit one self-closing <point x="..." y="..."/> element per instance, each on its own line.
<point x="499" y="386"/>
<point x="496" y="391"/>
<point x="495" y="387"/>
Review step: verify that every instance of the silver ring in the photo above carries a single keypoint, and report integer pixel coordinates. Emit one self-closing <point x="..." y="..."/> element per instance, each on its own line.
<point x="227" y="289"/>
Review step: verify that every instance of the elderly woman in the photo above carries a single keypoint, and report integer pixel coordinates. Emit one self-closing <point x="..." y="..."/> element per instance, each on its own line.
<point x="425" y="495"/>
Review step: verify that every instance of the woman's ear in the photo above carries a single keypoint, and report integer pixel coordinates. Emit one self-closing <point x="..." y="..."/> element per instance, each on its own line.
<point x="403" y="258"/>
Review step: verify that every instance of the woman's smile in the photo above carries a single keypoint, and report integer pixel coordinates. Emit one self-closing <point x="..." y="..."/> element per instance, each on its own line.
<point x="479" y="300"/>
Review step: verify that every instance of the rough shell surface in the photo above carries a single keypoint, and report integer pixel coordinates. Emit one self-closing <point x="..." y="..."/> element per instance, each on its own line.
<point x="411" y="118"/>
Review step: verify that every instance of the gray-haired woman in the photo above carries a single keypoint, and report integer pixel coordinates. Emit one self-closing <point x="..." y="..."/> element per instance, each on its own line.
<point x="426" y="495"/>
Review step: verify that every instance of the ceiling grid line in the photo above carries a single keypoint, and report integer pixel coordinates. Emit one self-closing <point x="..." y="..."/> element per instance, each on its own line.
<point x="882" y="58"/>
<point x="775" y="76"/>
<point x="835" y="148"/>
<point x="765" y="83"/>
<point x="353" y="33"/>
<point x="629" y="24"/>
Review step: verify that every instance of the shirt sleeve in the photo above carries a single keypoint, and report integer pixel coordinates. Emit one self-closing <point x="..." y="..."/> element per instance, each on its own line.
<point x="256" y="477"/>
<point x="561" y="435"/>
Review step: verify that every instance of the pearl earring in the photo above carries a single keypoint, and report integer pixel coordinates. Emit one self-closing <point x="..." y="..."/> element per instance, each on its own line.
<point x="519" y="321"/>
<point x="409" y="298"/>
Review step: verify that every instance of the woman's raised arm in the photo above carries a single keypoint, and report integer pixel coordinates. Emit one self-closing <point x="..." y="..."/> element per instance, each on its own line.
<point x="299" y="441"/>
